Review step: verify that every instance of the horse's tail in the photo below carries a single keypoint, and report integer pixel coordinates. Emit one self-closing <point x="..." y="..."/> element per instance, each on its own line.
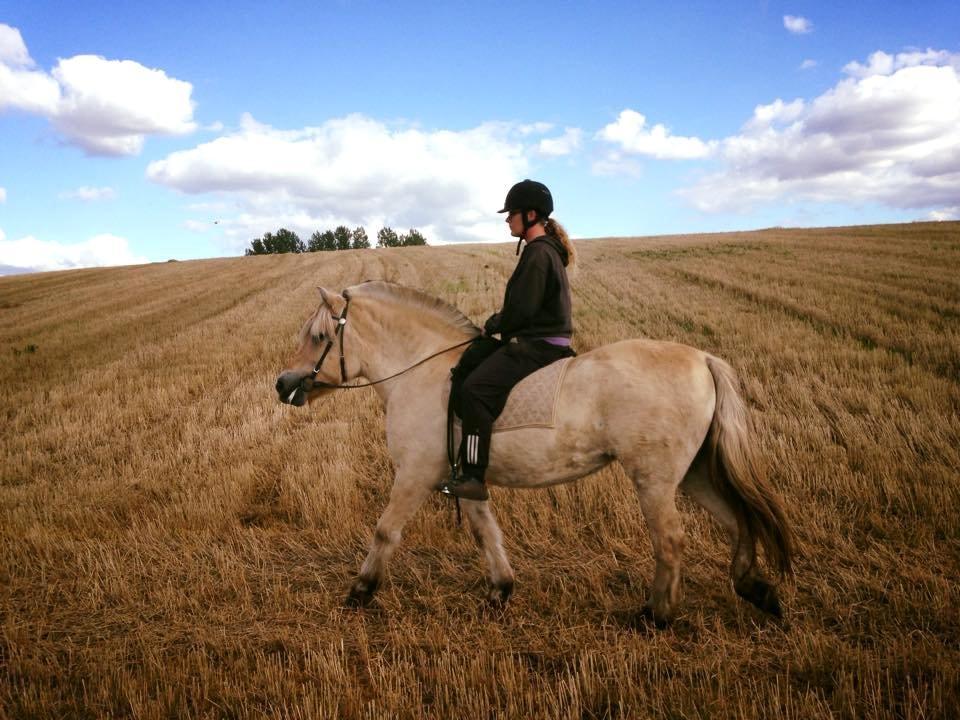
<point x="737" y="474"/>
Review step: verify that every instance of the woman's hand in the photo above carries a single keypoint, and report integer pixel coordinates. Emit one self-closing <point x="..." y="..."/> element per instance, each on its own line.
<point x="492" y="325"/>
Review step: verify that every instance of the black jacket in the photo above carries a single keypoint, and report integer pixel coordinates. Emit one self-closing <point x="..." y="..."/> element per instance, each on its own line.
<point x="537" y="299"/>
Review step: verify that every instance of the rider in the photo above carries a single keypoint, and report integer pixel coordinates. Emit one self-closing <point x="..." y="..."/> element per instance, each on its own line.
<point x="534" y="325"/>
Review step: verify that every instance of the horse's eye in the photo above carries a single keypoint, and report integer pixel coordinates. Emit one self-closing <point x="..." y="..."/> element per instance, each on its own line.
<point x="317" y="339"/>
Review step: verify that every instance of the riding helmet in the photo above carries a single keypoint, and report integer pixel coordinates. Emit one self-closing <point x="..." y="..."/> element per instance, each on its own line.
<point x="529" y="195"/>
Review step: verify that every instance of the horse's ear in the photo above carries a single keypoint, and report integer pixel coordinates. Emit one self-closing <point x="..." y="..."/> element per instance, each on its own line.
<point x="334" y="301"/>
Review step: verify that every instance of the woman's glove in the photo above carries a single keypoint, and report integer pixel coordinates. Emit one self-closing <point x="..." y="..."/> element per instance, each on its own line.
<point x="492" y="325"/>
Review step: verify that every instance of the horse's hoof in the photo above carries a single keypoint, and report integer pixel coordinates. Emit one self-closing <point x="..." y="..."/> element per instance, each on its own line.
<point x="661" y="621"/>
<point x="360" y="595"/>
<point x="499" y="593"/>
<point x="761" y="594"/>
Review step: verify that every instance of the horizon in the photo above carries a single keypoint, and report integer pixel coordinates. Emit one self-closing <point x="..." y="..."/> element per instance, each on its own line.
<point x="509" y="244"/>
<point x="142" y="138"/>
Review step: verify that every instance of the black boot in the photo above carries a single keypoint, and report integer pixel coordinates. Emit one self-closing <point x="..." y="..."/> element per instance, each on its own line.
<point x="467" y="485"/>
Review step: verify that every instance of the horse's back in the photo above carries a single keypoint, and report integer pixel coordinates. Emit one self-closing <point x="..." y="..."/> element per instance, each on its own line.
<point x="638" y="363"/>
<point x="656" y="383"/>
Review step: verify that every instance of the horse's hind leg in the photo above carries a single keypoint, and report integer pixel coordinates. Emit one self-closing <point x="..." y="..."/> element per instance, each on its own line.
<point x="406" y="497"/>
<point x="488" y="536"/>
<point x="748" y="582"/>
<point x="656" y="489"/>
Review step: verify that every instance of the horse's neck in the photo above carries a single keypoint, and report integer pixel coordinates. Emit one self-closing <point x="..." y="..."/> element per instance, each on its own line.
<point x="394" y="340"/>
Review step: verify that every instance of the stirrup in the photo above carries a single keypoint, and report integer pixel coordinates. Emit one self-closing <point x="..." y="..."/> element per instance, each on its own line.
<point x="465" y="487"/>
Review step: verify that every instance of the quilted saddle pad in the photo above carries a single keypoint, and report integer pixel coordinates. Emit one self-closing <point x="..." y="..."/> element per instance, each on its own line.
<point x="533" y="401"/>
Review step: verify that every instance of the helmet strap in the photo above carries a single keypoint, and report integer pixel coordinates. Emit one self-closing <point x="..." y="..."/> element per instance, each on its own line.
<point x="527" y="224"/>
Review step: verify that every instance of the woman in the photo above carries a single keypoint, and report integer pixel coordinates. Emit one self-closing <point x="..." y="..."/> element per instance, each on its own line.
<point x="534" y="325"/>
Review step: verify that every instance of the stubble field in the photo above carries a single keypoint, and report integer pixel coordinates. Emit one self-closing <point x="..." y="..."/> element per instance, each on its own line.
<point x="175" y="543"/>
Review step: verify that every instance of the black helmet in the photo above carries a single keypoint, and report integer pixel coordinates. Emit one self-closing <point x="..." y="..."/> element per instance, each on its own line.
<point x="529" y="195"/>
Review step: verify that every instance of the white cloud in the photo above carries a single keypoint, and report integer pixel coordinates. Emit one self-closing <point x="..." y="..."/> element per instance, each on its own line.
<point x="28" y="254"/>
<point x="356" y="171"/>
<point x="797" y="25"/>
<point x="776" y="113"/>
<point x="631" y="134"/>
<point x="13" y="51"/>
<point x="89" y="194"/>
<point x="566" y="144"/>
<point x="3" y="195"/>
<point x="808" y="64"/>
<point x="21" y="87"/>
<point x="951" y="213"/>
<point x="106" y="107"/>
<point x="888" y="134"/>
<point x="880" y="63"/>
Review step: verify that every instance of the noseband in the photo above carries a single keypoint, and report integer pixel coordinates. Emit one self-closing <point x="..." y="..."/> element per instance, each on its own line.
<point x="341" y="323"/>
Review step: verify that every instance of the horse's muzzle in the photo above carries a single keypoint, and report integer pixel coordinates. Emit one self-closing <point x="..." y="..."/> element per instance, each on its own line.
<point x="290" y="389"/>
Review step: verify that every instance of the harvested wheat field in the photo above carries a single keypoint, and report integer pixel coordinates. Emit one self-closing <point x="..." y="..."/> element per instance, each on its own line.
<point x="176" y="543"/>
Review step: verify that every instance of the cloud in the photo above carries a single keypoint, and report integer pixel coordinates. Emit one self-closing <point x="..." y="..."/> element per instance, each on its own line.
<point x="356" y="171"/>
<point x="797" y="25"/>
<point x="106" y="107"/>
<point x="13" y="51"/>
<point x="808" y="64"/>
<point x="880" y="63"/>
<point x="631" y="134"/>
<point x="21" y="87"/>
<point x="951" y="213"/>
<point x="889" y="134"/>
<point x="89" y="194"/>
<point x="28" y="254"/>
<point x="566" y="144"/>
<point x="3" y="195"/>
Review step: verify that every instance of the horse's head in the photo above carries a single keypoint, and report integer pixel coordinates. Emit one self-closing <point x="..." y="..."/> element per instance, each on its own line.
<point x="317" y="361"/>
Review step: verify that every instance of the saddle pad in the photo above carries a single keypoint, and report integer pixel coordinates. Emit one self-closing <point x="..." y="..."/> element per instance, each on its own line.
<point x="533" y="401"/>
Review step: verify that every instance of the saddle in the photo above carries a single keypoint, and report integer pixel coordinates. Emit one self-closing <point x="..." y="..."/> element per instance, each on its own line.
<point x="532" y="402"/>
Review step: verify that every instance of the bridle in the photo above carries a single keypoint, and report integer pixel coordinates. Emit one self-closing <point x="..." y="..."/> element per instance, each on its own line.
<point x="338" y="333"/>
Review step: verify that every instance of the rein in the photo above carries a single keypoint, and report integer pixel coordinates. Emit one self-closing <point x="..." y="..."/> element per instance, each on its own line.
<point x="341" y="322"/>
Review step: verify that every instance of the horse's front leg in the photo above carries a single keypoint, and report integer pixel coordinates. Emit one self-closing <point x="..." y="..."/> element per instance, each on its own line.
<point x="488" y="536"/>
<point x="406" y="497"/>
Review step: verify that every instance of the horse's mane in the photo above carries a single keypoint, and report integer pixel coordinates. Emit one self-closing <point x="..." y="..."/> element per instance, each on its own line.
<point x="436" y="308"/>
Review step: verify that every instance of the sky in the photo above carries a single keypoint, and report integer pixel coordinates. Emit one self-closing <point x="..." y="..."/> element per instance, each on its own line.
<point x="178" y="130"/>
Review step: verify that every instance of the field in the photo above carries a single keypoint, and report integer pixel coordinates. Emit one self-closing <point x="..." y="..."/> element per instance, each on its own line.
<point x="176" y="543"/>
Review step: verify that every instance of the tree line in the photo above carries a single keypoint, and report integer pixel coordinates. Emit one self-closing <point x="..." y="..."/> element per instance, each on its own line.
<point x="342" y="238"/>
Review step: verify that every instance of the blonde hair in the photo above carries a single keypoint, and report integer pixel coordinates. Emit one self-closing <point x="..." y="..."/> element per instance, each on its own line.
<point x="555" y="229"/>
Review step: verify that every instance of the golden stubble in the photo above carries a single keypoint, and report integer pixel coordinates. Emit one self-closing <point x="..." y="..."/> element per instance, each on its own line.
<point x="176" y="543"/>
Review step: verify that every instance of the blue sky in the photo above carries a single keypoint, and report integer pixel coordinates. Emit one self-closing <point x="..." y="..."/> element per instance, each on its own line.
<point x="184" y="130"/>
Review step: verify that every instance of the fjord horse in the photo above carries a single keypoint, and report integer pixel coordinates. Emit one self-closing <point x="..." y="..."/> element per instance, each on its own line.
<point x="669" y="413"/>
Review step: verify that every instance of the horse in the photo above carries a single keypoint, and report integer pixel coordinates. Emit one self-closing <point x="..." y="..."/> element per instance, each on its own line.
<point x="671" y="414"/>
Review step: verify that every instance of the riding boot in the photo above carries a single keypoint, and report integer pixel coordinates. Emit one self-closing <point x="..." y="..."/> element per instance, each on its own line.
<point x="469" y="484"/>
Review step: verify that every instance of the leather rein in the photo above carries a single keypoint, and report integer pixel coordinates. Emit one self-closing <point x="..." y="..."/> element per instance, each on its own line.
<point x="342" y="385"/>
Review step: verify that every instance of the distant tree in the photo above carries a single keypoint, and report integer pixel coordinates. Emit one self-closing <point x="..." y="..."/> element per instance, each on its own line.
<point x="322" y="241"/>
<point x="360" y="239"/>
<point x="343" y="237"/>
<point x="256" y="247"/>
<point x="284" y="241"/>
<point x="386" y="237"/>
<point x="413" y="238"/>
<point x="289" y="241"/>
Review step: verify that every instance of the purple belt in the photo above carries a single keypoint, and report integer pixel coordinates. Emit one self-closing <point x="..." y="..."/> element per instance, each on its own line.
<point x="565" y="341"/>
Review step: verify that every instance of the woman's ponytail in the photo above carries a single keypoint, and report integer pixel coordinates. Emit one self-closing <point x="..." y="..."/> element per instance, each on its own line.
<point x="555" y="229"/>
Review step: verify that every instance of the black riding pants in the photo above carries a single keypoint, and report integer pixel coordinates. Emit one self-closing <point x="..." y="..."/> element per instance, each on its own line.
<point x="497" y="367"/>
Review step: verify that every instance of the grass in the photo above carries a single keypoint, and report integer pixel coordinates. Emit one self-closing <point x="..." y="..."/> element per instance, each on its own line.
<point x="175" y="543"/>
